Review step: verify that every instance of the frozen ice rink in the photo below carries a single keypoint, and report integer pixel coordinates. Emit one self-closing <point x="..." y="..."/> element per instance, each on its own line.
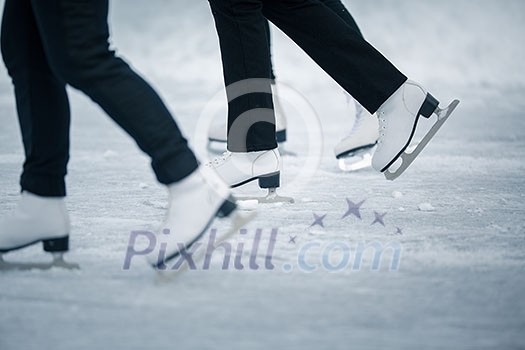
<point x="456" y="217"/>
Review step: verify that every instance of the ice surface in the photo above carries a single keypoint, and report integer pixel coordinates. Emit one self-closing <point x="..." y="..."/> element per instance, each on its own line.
<point x="397" y="194"/>
<point x="250" y="204"/>
<point x="461" y="277"/>
<point x="426" y="207"/>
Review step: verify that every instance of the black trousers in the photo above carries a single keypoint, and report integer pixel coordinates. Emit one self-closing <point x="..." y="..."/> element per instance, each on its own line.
<point x="48" y="44"/>
<point x="326" y="37"/>
<point x="337" y="7"/>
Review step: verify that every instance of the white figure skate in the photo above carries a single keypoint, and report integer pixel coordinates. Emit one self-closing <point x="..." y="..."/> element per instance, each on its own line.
<point x="36" y="219"/>
<point x="354" y="152"/>
<point x="239" y="168"/>
<point x="398" y="119"/>
<point x="194" y="202"/>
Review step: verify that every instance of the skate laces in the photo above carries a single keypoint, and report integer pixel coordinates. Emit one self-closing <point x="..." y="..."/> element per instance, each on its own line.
<point x="382" y="127"/>
<point x="219" y="160"/>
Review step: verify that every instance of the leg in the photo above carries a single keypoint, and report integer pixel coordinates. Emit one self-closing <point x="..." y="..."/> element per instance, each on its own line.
<point x="42" y="103"/>
<point x="238" y="23"/>
<point x="43" y="112"/>
<point x="355" y="150"/>
<point x="252" y="153"/>
<point x="339" y="49"/>
<point x="75" y="41"/>
<point x="340" y="10"/>
<point x="365" y="74"/>
<point x="351" y="61"/>
<point x="269" y="41"/>
<point x="246" y="55"/>
<point x="75" y="37"/>
<point x="219" y="133"/>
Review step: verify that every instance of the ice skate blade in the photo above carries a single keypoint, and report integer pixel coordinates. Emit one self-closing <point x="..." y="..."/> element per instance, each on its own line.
<point x="239" y="220"/>
<point x="58" y="261"/>
<point x="356" y="162"/>
<point x="271" y="197"/>
<point x="409" y="157"/>
<point x="356" y="152"/>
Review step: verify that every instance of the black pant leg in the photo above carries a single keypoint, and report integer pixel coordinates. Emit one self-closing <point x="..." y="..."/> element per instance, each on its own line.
<point x="269" y="41"/>
<point x="246" y="55"/>
<point x="75" y="38"/>
<point x="335" y="5"/>
<point x="41" y="100"/>
<point x="339" y="9"/>
<point x="339" y="49"/>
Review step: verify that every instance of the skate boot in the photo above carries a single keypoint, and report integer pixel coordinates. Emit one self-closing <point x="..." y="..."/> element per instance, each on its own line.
<point x="355" y="150"/>
<point x="36" y="219"/>
<point x="218" y="133"/>
<point x="194" y="202"/>
<point x="398" y="119"/>
<point x="239" y="168"/>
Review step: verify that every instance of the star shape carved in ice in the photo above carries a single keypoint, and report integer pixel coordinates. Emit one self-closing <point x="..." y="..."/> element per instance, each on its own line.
<point x="353" y="209"/>
<point x="318" y="220"/>
<point x="379" y="218"/>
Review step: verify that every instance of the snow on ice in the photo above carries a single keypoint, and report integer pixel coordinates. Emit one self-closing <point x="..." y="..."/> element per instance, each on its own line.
<point x="426" y="207"/>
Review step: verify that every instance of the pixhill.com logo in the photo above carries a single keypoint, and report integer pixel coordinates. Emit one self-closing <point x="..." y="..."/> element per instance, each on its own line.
<point x="256" y="251"/>
<point x="273" y="250"/>
<point x="199" y="255"/>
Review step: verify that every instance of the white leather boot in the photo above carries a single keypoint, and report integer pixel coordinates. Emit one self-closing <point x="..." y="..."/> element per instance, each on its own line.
<point x="194" y="202"/>
<point x="239" y="168"/>
<point x="364" y="134"/>
<point x="398" y="119"/>
<point x="36" y="219"/>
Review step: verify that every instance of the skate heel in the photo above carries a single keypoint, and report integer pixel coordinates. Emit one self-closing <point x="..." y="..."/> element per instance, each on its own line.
<point x="429" y="106"/>
<point x="56" y="245"/>
<point x="227" y="208"/>
<point x="280" y="136"/>
<point x="270" y="181"/>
